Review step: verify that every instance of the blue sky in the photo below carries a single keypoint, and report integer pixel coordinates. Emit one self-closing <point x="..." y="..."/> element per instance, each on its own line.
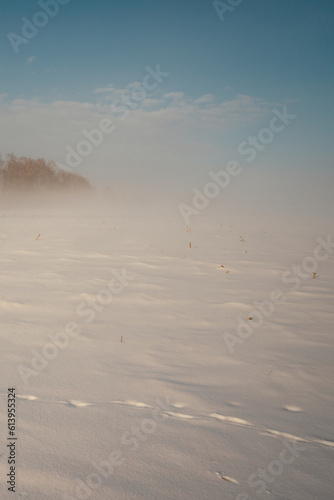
<point x="265" y="54"/>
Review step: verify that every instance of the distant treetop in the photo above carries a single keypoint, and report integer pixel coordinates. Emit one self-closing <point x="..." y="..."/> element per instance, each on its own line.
<point x="26" y="174"/>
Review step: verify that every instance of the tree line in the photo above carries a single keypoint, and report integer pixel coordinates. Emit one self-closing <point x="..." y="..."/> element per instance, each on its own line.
<point x="38" y="175"/>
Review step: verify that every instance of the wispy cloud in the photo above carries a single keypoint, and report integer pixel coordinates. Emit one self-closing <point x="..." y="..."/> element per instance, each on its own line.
<point x="166" y="132"/>
<point x="175" y="96"/>
<point x="207" y="98"/>
<point x="31" y="59"/>
<point x="103" y="90"/>
<point x="204" y="111"/>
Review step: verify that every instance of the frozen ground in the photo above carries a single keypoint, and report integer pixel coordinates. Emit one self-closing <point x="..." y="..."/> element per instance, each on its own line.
<point x="208" y="418"/>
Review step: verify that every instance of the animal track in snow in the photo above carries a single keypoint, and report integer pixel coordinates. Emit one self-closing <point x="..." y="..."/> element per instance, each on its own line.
<point x="26" y="397"/>
<point x="292" y="408"/>
<point x="132" y="403"/>
<point x="284" y="435"/>
<point x="297" y="438"/>
<point x="233" y="420"/>
<point x="136" y="403"/>
<point x="179" y="415"/>
<point x="75" y="404"/>
<point x="229" y="420"/>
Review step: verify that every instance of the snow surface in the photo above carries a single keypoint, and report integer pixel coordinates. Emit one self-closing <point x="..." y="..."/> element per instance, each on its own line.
<point x="211" y="418"/>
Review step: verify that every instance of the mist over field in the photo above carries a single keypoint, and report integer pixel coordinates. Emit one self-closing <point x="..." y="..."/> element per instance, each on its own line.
<point x="166" y="250"/>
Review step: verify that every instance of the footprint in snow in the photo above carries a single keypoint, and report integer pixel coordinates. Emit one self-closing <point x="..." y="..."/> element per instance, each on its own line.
<point x="296" y="438"/>
<point x="292" y="408"/>
<point x="75" y="404"/>
<point x="285" y="435"/>
<point x="135" y="404"/>
<point x="178" y="405"/>
<point x="27" y="397"/>
<point x="233" y="420"/>
<point x="179" y="415"/>
<point x="138" y="404"/>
